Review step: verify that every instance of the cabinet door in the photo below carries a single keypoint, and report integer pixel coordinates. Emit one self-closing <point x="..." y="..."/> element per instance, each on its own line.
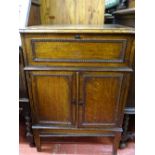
<point x="53" y="97"/>
<point x="101" y="98"/>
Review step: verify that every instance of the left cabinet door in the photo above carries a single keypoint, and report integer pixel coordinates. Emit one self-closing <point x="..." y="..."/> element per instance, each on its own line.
<point x="52" y="97"/>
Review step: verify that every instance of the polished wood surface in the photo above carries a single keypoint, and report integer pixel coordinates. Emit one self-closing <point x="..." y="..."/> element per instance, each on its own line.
<point x="83" y="49"/>
<point x="99" y="29"/>
<point x="72" y="12"/>
<point x="100" y="98"/>
<point x="54" y="94"/>
<point x="78" y="82"/>
<point x="77" y="71"/>
<point x="70" y="49"/>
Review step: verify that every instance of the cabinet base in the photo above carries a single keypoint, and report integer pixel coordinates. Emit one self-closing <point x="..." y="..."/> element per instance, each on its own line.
<point x="39" y="134"/>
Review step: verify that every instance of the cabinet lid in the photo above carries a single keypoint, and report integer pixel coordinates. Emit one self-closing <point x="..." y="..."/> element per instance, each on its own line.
<point x="107" y="28"/>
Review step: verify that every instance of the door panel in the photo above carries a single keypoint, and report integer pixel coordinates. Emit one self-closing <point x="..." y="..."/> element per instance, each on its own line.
<point x="53" y="96"/>
<point x="99" y="99"/>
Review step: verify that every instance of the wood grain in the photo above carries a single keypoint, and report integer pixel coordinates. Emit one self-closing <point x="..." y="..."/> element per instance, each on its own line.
<point x="69" y="50"/>
<point x="64" y="49"/>
<point x="100" y="98"/>
<point x="72" y="12"/>
<point x="77" y="95"/>
<point x="53" y="95"/>
<point x="106" y="29"/>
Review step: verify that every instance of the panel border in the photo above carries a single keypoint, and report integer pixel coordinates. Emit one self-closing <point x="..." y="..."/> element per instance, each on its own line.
<point x="122" y="52"/>
<point x="69" y="78"/>
<point x="82" y="122"/>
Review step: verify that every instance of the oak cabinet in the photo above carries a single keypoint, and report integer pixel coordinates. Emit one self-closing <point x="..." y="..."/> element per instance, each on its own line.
<point x="78" y="80"/>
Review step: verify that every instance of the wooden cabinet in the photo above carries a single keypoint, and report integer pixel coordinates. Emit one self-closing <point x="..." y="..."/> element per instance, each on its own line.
<point x="78" y="80"/>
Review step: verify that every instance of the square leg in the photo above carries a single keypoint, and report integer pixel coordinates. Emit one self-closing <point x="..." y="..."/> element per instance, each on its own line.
<point x="116" y="142"/>
<point x="37" y="140"/>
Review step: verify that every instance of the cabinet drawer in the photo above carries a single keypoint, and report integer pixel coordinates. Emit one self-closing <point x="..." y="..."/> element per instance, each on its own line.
<point x="46" y="49"/>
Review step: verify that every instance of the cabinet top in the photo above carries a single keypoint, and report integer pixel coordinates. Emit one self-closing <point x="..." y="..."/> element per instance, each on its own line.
<point x="107" y="28"/>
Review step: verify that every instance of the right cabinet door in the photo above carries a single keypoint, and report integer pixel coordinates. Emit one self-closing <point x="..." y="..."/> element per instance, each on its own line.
<point x="101" y="98"/>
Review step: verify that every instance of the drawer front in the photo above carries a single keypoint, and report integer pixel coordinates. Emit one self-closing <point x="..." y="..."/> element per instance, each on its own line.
<point x="49" y="49"/>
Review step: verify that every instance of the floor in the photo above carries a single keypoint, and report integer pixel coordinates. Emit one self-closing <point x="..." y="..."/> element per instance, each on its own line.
<point x="85" y="146"/>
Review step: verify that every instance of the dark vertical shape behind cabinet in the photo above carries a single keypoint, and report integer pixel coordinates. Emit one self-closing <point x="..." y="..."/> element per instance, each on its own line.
<point x="127" y="17"/>
<point x="24" y="109"/>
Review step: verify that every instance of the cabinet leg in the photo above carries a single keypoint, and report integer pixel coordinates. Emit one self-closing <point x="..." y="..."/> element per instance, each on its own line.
<point x="116" y="143"/>
<point x="37" y="141"/>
